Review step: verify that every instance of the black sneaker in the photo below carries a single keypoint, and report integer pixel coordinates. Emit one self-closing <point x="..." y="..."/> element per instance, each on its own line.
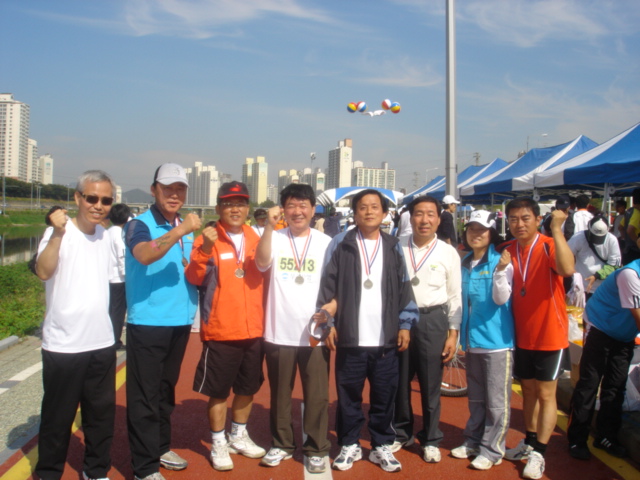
<point x="611" y="448"/>
<point x="580" y="451"/>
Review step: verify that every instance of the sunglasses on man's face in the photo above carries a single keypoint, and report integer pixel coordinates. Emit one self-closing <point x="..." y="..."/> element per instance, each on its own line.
<point x="93" y="199"/>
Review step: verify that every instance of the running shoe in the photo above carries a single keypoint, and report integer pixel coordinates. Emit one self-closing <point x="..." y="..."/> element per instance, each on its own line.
<point x="464" y="452"/>
<point x="274" y="456"/>
<point x="244" y="445"/>
<point x="535" y="466"/>
<point x="520" y="452"/>
<point x="220" y="458"/>
<point x="347" y="456"/>
<point x="383" y="456"/>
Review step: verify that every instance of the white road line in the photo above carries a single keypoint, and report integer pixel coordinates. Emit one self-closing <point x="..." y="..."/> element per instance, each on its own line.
<point x="23" y="375"/>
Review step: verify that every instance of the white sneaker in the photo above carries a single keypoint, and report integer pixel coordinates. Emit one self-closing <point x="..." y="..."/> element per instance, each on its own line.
<point x="383" y="456"/>
<point x="431" y="454"/>
<point x="172" y="461"/>
<point x="520" y="452"/>
<point x="244" y="445"/>
<point x="396" y="446"/>
<point x="87" y="477"/>
<point x="483" y="463"/>
<point x="464" y="452"/>
<point x="347" y="456"/>
<point x="220" y="458"/>
<point x="153" y="476"/>
<point x="274" y="457"/>
<point x="315" y="464"/>
<point x="534" y="467"/>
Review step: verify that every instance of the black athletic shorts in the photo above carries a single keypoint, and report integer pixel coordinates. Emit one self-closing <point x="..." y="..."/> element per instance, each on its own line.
<point x="226" y="365"/>
<point x="541" y="365"/>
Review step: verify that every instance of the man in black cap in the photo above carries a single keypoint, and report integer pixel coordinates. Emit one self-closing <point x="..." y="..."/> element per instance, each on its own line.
<point x="260" y="216"/>
<point x="568" y="227"/>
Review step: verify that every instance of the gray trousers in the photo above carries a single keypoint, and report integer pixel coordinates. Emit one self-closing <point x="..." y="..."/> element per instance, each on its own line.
<point x="313" y="364"/>
<point x="489" y="391"/>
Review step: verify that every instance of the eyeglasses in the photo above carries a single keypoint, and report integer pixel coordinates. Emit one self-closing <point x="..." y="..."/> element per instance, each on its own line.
<point x="93" y="199"/>
<point x="233" y="205"/>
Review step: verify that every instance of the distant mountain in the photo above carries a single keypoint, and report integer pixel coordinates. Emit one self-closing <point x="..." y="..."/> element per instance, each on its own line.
<point x="137" y="196"/>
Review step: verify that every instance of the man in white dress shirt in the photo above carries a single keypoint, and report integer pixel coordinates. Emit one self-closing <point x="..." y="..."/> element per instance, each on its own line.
<point x="434" y="269"/>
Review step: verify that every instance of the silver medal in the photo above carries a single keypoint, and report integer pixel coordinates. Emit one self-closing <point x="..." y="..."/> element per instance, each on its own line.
<point x="239" y="273"/>
<point x="415" y="281"/>
<point x="368" y="284"/>
<point x="299" y="280"/>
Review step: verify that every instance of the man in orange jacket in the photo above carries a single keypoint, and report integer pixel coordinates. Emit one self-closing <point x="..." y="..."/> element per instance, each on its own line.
<point x="232" y="313"/>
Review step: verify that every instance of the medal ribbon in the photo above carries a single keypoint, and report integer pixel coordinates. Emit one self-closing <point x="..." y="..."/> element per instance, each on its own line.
<point x="305" y="250"/>
<point x="239" y="251"/>
<point x="526" y="267"/>
<point x="368" y="262"/>
<point x="412" y="256"/>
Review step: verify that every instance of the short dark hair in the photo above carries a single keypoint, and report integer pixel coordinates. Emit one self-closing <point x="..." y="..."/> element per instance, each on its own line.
<point x="621" y="203"/>
<point x="299" y="191"/>
<point x="523" y="202"/>
<point x="424" y="199"/>
<point x="636" y="196"/>
<point x="582" y="201"/>
<point x="370" y="191"/>
<point x="120" y="214"/>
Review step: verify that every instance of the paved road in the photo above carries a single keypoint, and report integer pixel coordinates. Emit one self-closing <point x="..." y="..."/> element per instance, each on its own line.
<point x="19" y="407"/>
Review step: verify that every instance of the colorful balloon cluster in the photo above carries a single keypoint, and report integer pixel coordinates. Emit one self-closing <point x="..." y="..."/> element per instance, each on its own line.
<point x="361" y="107"/>
<point x="389" y="105"/>
<point x="357" y="107"/>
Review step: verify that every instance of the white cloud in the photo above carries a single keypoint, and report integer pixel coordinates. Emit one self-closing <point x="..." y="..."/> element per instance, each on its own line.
<point x="206" y="18"/>
<point x="395" y="71"/>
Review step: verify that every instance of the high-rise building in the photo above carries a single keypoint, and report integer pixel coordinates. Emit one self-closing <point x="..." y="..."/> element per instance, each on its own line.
<point x="340" y="165"/>
<point x="286" y="177"/>
<point x="315" y="178"/>
<point x="383" y="177"/>
<point x="247" y="170"/>
<point x="14" y="137"/>
<point x="204" y="183"/>
<point x="254" y="175"/>
<point x="225" y="178"/>
<point x="273" y="194"/>
<point x="259" y="181"/>
<point x="33" y="163"/>
<point x="45" y="169"/>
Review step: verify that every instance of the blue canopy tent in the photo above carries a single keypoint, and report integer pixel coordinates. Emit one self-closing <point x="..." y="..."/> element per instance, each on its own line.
<point x="408" y="198"/>
<point x="518" y="175"/>
<point x="333" y="196"/>
<point x="616" y="162"/>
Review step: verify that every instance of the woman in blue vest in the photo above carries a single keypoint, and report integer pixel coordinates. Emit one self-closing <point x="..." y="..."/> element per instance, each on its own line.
<point x="487" y="336"/>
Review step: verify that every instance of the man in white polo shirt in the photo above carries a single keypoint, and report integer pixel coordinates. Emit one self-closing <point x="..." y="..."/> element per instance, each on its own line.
<point x="434" y="268"/>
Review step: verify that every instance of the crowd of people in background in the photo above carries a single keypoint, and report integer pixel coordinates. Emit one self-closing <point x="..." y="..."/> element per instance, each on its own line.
<point x="391" y="295"/>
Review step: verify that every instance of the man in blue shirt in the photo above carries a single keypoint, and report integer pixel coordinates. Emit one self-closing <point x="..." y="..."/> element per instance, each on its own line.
<point x="613" y="316"/>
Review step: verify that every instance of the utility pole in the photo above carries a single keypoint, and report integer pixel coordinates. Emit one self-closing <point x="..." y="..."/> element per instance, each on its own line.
<point x="476" y="157"/>
<point x="451" y="167"/>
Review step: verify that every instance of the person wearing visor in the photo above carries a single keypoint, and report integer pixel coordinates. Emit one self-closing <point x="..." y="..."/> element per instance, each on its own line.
<point x="447" y="228"/>
<point x="597" y="253"/>
<point x="487" y="336"/>
<point x="231" y="307"/>
<point x="293" y="256"/>
<point x="161" y="305"/>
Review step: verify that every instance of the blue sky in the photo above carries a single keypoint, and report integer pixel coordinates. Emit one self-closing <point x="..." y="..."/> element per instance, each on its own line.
<point x="125" y="85"/>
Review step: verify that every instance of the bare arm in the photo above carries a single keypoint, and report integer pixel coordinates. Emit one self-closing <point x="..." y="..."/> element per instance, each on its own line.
<point x="263" y="253"/>
<point x="636" y="316"/>
<point x="148" y="252"/>
<point x="47" y="261"/>
<point x="565" y="261"/>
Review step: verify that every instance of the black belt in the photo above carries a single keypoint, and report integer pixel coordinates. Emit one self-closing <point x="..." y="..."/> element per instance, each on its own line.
<point x="430" y="309"/>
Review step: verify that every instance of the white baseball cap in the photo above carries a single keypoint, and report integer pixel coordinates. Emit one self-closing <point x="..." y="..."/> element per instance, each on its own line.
<point x="170" y="173"/>
<point x="483" y="218"/>
<point x="449" y="199"/>
<point x="599" y="230"/>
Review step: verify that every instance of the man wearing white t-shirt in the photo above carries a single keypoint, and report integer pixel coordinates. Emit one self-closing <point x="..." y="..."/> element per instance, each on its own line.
<point x="295" y="256"/>
<point x="365" y="273"/>
<point x="78" y="354"/>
